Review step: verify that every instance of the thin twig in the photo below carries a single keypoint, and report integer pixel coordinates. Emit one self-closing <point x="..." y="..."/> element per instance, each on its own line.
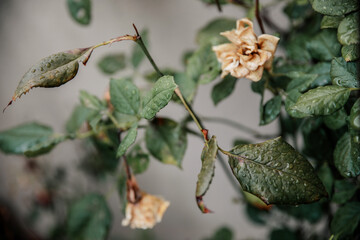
<point x="258" y="18"/>
<point x="218" y="5"/>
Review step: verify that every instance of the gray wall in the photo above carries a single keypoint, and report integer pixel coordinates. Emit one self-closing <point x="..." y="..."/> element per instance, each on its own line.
<point x="31" y="30"/>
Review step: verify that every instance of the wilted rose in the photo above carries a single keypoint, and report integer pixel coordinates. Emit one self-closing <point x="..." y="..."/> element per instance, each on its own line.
<point x="146" y="212"/>
<point x="247" y="55"/>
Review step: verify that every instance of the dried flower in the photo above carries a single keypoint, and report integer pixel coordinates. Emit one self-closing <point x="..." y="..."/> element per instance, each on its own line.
<point x="146" y="212"/>
<point x="246" y="55"/>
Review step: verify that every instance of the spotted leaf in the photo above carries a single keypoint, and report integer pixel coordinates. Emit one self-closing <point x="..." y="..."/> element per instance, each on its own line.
<point x="276" y="173"/>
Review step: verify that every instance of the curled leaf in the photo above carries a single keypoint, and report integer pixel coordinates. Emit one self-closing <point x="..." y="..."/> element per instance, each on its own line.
<point x="206" y="174"/>
<point x="52" y="71"/>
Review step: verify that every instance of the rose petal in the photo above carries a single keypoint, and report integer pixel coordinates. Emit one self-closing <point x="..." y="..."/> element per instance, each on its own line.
<point x="255" y="75"/>
<point x="268" y="42"/>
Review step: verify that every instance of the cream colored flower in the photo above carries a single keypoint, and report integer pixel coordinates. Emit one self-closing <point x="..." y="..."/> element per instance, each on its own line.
<point x="146" y="212"/>
<point x="246" y="55"/>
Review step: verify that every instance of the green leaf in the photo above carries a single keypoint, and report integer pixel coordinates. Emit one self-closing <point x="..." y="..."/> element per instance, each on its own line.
<point x="52" y="71"/>
<point x="138" y="160"/>
<point x="80" y="10"/>
<point x="324" y="46"/>
<point x="346" y="220"/>
<point x="296" y="48"/>
<point x="166" y="141"/>
<point x="223" y="89"/>
<point x="290" y="101"/>
<point x="310" y="212"/>
<point x="276" y="173"/>
<point x="91" y="101"/>
<point x="300" y="81"/>
<point x="186" y="85"/>
<point x="344" y="191"/>
<point x="354" y="119"/>
<point x="30" y="139"/>
<point x="321" y="101"/>
<point x="211" y="32"/>
<point x="153" y="76"/>
<point x="347" y="156"/>
<point x="89" y="218"/>
<point x="128" y="140"/>
<point x="284" y="233"/>
<point x="124" y="96"/>
<point x="336" y="120"/>
<point x="158" y="97"/>
<point x="344" y="73"/>
<point x="348" y="30"/>
<point x="335" y="7"/>
<point x="137" y="53"/>
<point x="271" y="110"/>
<point x="78" y="117"/>
<point x="112" y="63"/>
<point x="223" y="233"/>
<point x="203" y="66"/>
<point x="331" y="21"/>
<point x="326" y="177"/>
<point x="322" y="70"/>
<point x="208" y="157"/>
<point x="350" y="52"/>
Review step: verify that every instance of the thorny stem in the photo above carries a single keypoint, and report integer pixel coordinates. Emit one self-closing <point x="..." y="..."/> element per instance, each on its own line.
<point x="258" y="18"/>
<point x="177" y="90"/>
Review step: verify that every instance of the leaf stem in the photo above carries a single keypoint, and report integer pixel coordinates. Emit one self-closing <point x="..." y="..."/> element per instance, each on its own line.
<point x="177" y="90"/>
<point x="139" y="41"/>
<point x="113" y="119"/>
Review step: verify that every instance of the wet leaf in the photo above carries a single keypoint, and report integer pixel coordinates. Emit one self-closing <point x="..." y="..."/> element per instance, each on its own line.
<point x="331" y="21"/>
<point x="350" y="52"/>
<point x="52" y="71"/>
<point x="321" y="100"/>
<point x="138" y="160"/>
<point x="290" y="101"/>
<point x="324" y="46"/>
<point x="158" y="97"/>
<point x="211" y="32"/>
<point x="336" y="120"/>
<point x="223" y="89"/>
<point x="344" y="73"/>
<point x="89" y="218"/>
<point x="30" y="139"/>
<point x="124" y="96"/>
<point x="80" y="10"/>
<point x="203" y="66"/>
<point x="271" y="110"/>
<point x="300" y="81"/>
<point x="346" y="220"/>
<point x="335" y="7"/>
<point x="348" y="30"/>
<point x="354" y="119"/>
<point x="112" y="63"/>
<point x="208" y="157"/>
<point x="166" y="141"/>
<point x="78" y="117"/>
<point x="128" y="140"/>
<point x="276" y="173"/>
<point x="347" y="156"/>
<point x="137" y="54"/>
<point x="344" y="191"/>
<point x="322" y="70"/>
<point x="326" y="177"/>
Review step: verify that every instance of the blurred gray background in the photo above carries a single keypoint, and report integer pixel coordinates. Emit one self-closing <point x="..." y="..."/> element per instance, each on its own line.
<point x="31" y="30"/>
